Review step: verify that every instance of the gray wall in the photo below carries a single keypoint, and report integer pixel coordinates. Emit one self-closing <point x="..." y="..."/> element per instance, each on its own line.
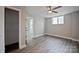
<point x="70" y="29"/>
<point x="2" y="30"/>
<point x="38" y="26"/>
<point x="75" y="25"/>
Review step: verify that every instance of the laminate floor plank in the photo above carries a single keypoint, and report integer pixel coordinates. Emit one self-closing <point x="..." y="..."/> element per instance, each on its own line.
<point x="49" y="44"/>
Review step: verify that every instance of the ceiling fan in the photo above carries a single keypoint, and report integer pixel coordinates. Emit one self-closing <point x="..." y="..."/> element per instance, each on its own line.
<point x="53" y="8"/>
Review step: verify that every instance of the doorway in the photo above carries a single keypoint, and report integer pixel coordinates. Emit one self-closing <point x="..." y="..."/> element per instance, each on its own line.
<point x="11" y="29"/>
<point x="29" y="30"/>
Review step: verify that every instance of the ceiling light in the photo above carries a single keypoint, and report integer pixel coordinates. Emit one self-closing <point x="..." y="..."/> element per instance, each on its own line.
<point x="49" y="11"/>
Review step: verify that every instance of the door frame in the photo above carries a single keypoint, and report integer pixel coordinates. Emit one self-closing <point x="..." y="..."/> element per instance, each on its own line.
<point x="16" y="9"/>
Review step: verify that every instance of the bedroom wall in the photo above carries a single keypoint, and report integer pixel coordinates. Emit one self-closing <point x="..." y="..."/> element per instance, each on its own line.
<point x="38" y="26"/>
<point x="2" y="49"/>
<point x="69" y="29"/>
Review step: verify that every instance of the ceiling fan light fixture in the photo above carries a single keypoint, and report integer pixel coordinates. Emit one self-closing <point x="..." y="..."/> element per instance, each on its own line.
<point x="49" y="11"/>
<point x="53" y="8"/>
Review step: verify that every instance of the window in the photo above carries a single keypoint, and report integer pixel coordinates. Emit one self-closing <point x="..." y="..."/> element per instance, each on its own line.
<point x="58" y="20"/>
<point x="54" y="20"/>
<point x="61" y="20"/>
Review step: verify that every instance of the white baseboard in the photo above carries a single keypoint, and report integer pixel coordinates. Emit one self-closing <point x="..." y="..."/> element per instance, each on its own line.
<point x="38" y="35"/>
<point x="23" y="46"/>
<point x="63" y="37"/>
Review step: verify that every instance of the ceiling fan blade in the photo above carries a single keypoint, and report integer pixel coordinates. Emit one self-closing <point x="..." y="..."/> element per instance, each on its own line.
<point x="55" y="11"/>
<point x="57" y="7"/>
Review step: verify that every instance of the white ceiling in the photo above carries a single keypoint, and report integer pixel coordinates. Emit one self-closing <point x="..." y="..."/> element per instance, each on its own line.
<point x="43" y="12"/>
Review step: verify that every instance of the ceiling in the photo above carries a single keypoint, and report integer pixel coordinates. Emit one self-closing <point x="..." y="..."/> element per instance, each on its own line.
<point x="43" y="12"/>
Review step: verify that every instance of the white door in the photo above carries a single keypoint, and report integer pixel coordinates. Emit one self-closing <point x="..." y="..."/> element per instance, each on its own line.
<point x="29" y="30"/>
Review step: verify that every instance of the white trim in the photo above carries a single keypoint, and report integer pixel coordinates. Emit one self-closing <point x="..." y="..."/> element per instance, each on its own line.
<point x="19" y="29"/>
<point x="38" y="35"/>
<point x="63" y="37"/>
<point x="19" y="23"/>
<point x="13" y="8"/>
<point x="23" y="46"/>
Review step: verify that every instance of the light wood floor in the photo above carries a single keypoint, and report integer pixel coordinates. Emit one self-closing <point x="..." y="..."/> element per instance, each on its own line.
<point x="49" y="44"/>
